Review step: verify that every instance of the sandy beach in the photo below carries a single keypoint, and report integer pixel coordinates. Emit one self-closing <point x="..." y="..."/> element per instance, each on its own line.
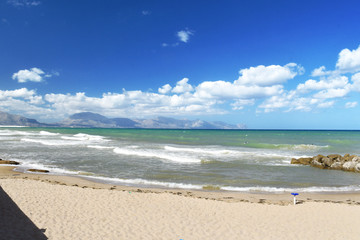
<point x="57" y="207"/>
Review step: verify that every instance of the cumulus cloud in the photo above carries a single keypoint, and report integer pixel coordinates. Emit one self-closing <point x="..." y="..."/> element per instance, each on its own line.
<point x="228" y="90"/>
<point x="241" y="103"/>
<point x="333" y="93"/>
<point x="333" y="82"/>
<point x="18" y="93"/>
<point x="356" y="82"/>
<point x="182" y="86"/>
<point x="165" y="89"/>
<point x="321" y="71"/>
<point x="268" y="75"/>
<point x="261" y="87"/>
<point x="349" y="60"/>
<point x="32" y="75"/>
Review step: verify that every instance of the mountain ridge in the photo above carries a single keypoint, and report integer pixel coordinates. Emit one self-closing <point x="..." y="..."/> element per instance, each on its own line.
<point x="95" y="120"/>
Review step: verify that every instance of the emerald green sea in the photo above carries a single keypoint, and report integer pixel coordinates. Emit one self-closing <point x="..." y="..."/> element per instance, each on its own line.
<point x="232" y="160"/>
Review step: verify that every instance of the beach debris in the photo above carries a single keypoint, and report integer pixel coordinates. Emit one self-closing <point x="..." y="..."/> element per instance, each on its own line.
<point x="9" y="162"/>
<point x="38" y="170"/>
<point x="333" y="161"/>
<point x="294" y="194"/>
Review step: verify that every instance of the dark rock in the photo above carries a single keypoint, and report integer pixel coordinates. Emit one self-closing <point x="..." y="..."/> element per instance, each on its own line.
<point x="303" y="161"/>
<point x="9" y="162"/>
<point x="38" y="170"/>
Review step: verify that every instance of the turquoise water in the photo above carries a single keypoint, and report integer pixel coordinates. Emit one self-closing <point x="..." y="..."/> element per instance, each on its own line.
<point x="237" y="160"/>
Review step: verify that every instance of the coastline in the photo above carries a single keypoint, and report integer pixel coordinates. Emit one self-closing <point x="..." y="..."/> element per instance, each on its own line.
<point x="66" y="207"/>
<point x="350" y="198"/>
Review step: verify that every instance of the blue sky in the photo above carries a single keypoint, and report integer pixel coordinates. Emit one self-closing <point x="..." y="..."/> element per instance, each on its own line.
<point x="267" y="64"/>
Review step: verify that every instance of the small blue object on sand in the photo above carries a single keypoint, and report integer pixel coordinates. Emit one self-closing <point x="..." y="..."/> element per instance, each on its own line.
<point x="294" y="194"/>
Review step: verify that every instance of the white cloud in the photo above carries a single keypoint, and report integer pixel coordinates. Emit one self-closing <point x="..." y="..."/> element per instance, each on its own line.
<point x="351" y="104"/>
<point x="268" y="75"/>
<point x="326" y="104"/>
<point x="18" y="93"/>
<point x="241" y="103"/>
<point x="228" y="90"/>
<point x="356" y="82"/>
<point x="349" y="60"/>
<point x="182" y="86"/>
<point x="32" y="75"/>
<point x="255" y="84"/>
<point x="184" y="35"/>
<point x="24" y="101"/>
<point x="333" y="82"/>
<point x="165" y="89"/>
<point x="23" y="3"/>
<point x="145" y="12"/>
<point x="321" y="71"/>
<point x="132" y="104"/>
<point x="333" y="93"/>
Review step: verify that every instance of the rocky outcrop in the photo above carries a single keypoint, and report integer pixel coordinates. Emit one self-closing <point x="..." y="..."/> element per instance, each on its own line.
<point x="9" y="162"/>
<point x="333" y="161"/>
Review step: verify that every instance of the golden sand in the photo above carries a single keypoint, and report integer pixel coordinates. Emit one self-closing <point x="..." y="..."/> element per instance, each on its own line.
<point x="62" y="207"/>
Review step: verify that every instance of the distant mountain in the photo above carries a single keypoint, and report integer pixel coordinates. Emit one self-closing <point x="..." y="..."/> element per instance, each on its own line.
<point x="88" y="119"/>
<point x="16" y="120"/>
<point x="94" y="120"/>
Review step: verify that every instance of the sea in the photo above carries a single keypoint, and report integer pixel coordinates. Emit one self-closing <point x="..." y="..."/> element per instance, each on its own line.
<point x="221" y="160"/>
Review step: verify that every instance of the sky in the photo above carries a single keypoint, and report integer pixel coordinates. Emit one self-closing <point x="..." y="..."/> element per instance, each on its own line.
<point x="267" y="64"/>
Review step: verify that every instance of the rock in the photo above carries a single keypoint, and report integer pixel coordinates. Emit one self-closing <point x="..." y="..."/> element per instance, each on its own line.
<point x="333" y="161"/>
<point x="357" y="167"/>
<point x="347" y="157"/>
<point x="9" y="162"/>
<point x="38" y="170"/>
<point x="318" y="161"/>
<point x="317" y="164"/>
<point x="349" y="166"/>
<point x="335" y="157"/>
<point x="304" y="161"/>
<point x="356" y="159"/>
<point x="336" y="166"/>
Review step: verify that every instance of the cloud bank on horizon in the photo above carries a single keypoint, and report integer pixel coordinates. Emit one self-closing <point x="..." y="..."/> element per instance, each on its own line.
<point x="260" y="86"/>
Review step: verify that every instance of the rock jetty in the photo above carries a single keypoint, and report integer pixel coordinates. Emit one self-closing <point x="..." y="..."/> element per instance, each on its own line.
<point x="334" y="161"/>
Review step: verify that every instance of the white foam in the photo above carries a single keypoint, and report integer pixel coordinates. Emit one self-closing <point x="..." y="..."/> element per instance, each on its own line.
<point x="304" y="147"/>
<point x="202" y="150"/>
<point x="284" y="190"/>
<point x="15" y="133"/>
<point x="84" y="137"/>
<point x="45" y="133"/>
<point x="99" y="147"/>
<point x="52" y="169"/>
<point x="50" y="142"/>
<point x="139" y="181"/>
<point x="156" y="154"/>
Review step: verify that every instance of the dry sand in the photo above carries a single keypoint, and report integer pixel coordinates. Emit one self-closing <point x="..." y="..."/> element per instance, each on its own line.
<point x="41" y="206"/>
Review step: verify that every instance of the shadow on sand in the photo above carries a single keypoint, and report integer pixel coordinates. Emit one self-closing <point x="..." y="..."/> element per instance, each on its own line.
<point x="14" y="224"/>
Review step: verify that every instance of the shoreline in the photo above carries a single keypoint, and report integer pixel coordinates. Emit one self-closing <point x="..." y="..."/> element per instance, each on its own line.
<point x="64" y="207"/>
<point x="351" y="198"/>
